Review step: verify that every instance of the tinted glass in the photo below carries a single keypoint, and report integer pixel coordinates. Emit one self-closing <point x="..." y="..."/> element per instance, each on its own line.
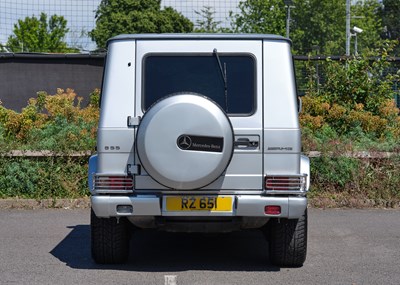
<point x="166" y="74"/>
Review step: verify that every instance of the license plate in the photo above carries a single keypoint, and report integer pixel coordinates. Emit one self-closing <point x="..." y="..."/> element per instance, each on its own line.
<point x="199" y="203"/>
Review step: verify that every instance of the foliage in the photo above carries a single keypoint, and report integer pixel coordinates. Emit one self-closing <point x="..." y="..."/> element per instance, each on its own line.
<point x="389" y="12"/>
<point x="353" y="110"/>
<point x="207" y="24"/>
<point x="115" y="17"/>
<point x="323" y="32"/>
<point x="356" y="100"/>
<point x="51" y="122"/>
<point x="372" y="182"/>
<point x="59" y="123"/>
<point x="336" y="171"/>
<point x="359" y="81"/>
<point x="39" y="35"/>
<point x="43" y="177"/>
<point x="365" y="15"/>
<point x="260" y="16"/>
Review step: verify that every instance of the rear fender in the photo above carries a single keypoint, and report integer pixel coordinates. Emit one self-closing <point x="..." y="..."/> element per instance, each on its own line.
<point x="92" y="171"/>
<point x="305" y="169"/>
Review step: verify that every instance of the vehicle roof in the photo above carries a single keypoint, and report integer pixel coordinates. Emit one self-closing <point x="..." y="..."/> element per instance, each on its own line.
<point x="199" y="36"/>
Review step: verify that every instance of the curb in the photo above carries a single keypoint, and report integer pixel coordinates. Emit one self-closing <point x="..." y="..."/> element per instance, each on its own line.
<point x="32" y="204"/>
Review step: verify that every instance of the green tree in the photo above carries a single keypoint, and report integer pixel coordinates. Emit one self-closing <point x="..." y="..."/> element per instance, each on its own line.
<point x="315" y="25"/>
<point x="322" y="23"/>
<point x="260" y="16"/>
<point x="390" y="11"/>
<point x="39" y="35"/>
<point x="367" y="17"/>
<point x="319" y="24"/>
<point x="207" y="24"/>
<point x="115" y="17"/>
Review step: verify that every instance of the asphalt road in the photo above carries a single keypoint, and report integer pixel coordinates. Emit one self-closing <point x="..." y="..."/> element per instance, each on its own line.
<point x="345" y="247"/>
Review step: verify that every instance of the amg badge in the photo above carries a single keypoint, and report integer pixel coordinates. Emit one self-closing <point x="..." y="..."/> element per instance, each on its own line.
<point x="200" y="143"/>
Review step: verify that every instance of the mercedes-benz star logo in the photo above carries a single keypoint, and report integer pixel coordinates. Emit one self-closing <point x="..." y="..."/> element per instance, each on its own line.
<point x="184" y="142"/>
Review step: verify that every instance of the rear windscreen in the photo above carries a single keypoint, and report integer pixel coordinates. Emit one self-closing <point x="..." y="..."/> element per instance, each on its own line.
<point x="165" y="75"/>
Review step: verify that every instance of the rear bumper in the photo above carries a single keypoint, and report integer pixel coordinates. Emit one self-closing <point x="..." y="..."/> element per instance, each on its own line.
<point x="244" y="206"/>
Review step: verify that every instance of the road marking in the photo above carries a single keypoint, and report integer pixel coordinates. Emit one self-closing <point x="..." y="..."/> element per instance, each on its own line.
<point x="170" y="279"/>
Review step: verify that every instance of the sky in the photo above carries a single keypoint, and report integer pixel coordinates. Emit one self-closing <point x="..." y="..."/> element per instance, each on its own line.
<point x="80" y="15"/>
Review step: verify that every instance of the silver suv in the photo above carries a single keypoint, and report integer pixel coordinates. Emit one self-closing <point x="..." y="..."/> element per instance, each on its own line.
<point x="199" y="133"/>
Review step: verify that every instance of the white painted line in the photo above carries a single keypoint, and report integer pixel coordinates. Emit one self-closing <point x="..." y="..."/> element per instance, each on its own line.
<point x="170" y="279"/>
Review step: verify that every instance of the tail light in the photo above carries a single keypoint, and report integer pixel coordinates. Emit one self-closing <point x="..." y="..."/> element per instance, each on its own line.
<point x="285" y="183"/>
<point x="277" y="183"/>
<point x="113" y="183"/>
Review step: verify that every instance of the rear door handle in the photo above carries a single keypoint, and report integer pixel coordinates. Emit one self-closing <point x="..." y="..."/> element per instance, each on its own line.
<point x="245" y="143"/>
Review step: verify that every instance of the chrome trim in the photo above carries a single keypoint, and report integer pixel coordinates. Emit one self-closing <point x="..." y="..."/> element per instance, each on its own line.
<point x="305" y="168"/>
<point x="287" y="184"/>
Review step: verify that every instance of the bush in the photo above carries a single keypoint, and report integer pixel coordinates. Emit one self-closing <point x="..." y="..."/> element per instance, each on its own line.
<point x="44" y="177"/>
<point x="331" y="123"/>
<point x="354" y="109"/>
<point x="51" y="122"/>
<point x="356" y="103"/>
<point x="344" y="179"/>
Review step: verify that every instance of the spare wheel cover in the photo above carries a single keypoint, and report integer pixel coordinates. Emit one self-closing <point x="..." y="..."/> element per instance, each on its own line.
<point x="185" y="141"/>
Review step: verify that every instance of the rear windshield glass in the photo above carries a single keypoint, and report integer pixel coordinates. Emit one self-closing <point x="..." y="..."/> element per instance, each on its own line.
<point x="168" y="74"/>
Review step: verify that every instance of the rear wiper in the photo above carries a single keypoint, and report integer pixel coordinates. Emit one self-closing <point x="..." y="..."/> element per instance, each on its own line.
<point x="225" y="78"/>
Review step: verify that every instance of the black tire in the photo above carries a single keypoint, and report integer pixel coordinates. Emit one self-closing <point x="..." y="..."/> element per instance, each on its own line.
<point x="110" y="239"/>
<point x="288" y="241"/>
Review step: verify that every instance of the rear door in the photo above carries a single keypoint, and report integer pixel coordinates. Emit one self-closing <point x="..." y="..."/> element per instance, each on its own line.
<point x="200" y="67"/>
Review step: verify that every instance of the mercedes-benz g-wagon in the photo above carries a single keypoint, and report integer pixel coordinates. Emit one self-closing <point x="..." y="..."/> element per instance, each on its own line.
<point x="199" y="133"/>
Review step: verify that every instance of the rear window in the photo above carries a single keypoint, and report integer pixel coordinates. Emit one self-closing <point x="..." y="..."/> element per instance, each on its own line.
<point x="168" y="74"/>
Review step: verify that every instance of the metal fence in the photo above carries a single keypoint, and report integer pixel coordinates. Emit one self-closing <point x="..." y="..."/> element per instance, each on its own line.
<point x="80" y="15"/>
<point x="25" y="74"/>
